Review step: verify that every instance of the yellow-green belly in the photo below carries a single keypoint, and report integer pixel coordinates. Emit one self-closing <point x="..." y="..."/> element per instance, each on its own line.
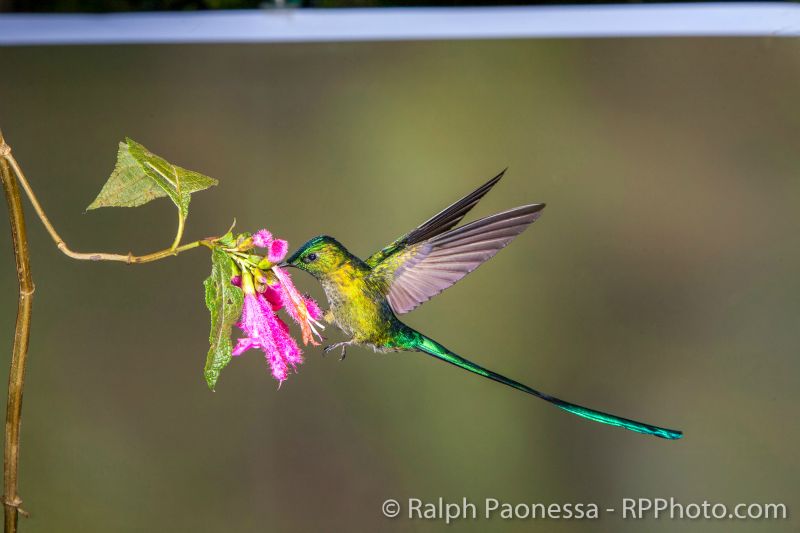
<point x="359" y="309"/>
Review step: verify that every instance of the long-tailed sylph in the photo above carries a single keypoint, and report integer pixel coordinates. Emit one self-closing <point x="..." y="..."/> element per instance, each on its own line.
<point x="365" y="297"/>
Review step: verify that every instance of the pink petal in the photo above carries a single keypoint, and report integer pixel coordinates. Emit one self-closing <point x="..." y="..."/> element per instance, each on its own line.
<point x="313" y="308"/>
<point x="295" y="305"/>
<point x="289" y="293"/>
<point x="287" y="345"/>
<point x="262" y="238"/>
<point x="283" y="325"/>
<point x="244" y="344"/>
<point x="253" y="322"/>
<point x="277" y="250"/>
<point x="280" y="370"/>
<point x="283" y="350"/>
<point x="236" y="280"/>
<point x="274" y="296"/>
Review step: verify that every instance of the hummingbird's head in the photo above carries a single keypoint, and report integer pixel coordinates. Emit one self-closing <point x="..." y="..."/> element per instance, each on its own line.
<point x="319" y="256"/>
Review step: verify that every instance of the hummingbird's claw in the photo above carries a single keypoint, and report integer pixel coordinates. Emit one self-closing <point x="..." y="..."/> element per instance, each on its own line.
<point x="342" y="345"/>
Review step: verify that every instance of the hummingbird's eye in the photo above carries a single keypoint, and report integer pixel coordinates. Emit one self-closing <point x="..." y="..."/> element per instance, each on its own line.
<point x="310" y="257"/>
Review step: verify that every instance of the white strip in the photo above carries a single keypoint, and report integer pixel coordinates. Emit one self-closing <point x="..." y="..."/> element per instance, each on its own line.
<point x="385" y="24"/>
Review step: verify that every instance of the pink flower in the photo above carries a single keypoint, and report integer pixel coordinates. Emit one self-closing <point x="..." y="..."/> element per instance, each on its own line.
<point x="277" y="251"/>
<point x="297" y="307"/>
<point x="274" y="296"/>
<point x="276" y="248"/>
<point x="264" y="330"/>
<point x="262" y="238"/>
<point x="262" y="327"/>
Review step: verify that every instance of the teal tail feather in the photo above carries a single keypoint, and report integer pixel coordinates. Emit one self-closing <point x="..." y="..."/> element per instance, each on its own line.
<point x="424" y="344"/>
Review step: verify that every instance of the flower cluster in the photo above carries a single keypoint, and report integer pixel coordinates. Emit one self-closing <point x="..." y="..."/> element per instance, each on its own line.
<point x="267" y="289"/>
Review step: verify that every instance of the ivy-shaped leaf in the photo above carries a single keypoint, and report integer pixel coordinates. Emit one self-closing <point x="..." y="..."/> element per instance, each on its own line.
<point x="140" y="176"/>
<point x="224" y="301"/>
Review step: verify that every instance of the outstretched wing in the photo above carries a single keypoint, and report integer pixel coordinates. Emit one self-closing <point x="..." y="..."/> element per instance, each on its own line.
<point x="439" y="223"/>
<point x="422" y="270"/>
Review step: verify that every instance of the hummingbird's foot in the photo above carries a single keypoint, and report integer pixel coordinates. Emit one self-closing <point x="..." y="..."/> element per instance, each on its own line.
<point x="342" y="345"/>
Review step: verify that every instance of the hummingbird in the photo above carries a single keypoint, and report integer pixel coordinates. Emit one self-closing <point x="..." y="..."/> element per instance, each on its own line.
<point x="365" y="297"/>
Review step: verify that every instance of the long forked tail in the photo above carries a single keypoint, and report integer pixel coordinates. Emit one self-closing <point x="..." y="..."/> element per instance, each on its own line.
<point x="431" y="347"/>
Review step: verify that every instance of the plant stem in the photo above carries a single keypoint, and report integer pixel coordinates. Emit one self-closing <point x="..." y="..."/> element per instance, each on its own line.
<point x="12" y="177"/>
<point x="96" y="256"/>
<point x="16" y="376"/>
<point x="179" y="235"/>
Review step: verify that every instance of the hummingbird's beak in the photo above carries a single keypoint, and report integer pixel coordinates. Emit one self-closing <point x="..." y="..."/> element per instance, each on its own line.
<point x="284" y="264"/>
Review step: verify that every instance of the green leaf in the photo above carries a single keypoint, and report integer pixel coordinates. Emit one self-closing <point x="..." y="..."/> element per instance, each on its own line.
<point x="140" y="176"/>
<point x="224" y="301"/>
<point x="227" y="239"/>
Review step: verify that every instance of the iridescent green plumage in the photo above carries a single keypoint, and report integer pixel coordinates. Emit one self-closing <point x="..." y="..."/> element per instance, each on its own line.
<point x="365" y="297"/>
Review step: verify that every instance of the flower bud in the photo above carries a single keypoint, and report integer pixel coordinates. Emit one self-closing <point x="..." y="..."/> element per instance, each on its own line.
<point x="262" y="238"/>
<point x="259" y="276"/>
<point x="244" y="241"/>
<point x="277" y="250"/>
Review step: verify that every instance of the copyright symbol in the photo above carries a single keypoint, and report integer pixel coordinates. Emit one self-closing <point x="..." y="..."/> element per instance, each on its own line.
<point x="390" y="508"/>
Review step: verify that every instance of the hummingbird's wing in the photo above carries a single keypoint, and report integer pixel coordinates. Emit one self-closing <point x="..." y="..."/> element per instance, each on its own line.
<point x="418" y="272"/>
<point x="439" y="223"/>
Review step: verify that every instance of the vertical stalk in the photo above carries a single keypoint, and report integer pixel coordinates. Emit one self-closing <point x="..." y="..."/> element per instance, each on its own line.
<point x="12" y="178"/>
<point x="179" y="235"/>
<point x="16" y="376"/>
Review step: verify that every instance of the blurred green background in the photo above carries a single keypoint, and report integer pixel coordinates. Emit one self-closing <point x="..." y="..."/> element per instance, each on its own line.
<point x="661" y="282"/>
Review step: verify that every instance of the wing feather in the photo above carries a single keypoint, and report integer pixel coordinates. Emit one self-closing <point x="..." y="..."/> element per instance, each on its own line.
<point x="451" y="215"/>
<point x="419" y="272"/>
<point x="437" y="224"/>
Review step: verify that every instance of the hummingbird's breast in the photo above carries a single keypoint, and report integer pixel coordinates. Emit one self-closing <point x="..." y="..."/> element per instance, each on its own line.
<point x="359" y="308"/>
